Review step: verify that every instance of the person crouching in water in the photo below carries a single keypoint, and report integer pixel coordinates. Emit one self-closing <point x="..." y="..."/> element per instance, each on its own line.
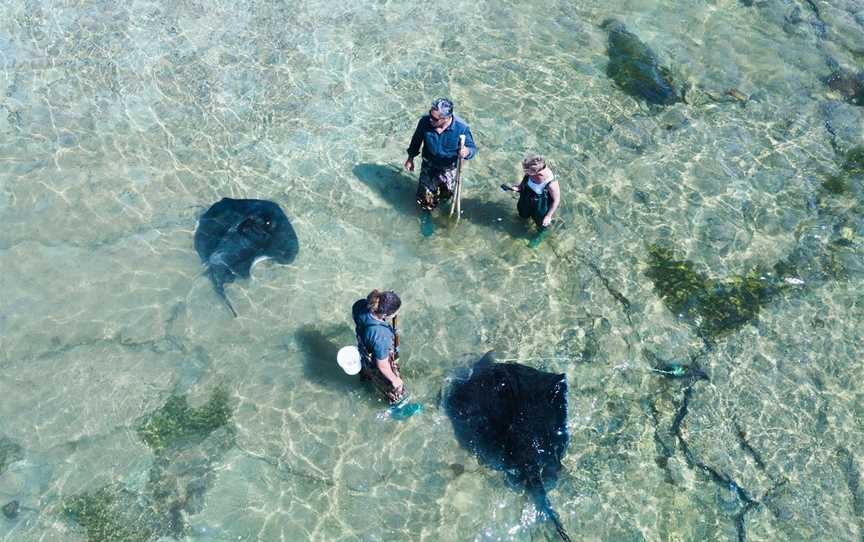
<point x="539" y="193"/>
<point x="374" y="320"/>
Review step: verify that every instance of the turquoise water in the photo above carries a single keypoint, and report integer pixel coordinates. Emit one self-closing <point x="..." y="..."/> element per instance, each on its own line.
<point x="123" y="121"/>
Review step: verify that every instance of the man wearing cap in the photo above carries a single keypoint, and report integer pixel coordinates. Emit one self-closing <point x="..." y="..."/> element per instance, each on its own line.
<point x="438" y="133"/>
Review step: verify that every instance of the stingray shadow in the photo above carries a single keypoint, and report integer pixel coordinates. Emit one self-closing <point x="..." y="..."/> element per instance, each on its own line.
<point x="319" y="346"/>
<point x="395" y="186"/>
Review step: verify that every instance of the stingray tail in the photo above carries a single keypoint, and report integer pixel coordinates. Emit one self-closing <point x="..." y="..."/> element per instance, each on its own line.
<point x="558" y="527"/>
<point x="219" y="286"/>
<point x="545" y="506"/>
<point x="224" y="297"/>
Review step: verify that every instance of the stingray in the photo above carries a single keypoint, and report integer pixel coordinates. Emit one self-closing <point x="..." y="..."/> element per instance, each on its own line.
<point x="235" y="233"/>
<point x="514" y="419"/>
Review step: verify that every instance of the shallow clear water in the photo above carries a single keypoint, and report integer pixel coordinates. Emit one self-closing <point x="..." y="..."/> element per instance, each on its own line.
<point x="123" y="121"/>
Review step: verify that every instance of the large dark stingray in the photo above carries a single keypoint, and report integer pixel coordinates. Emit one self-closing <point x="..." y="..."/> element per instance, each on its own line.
<point x="513" y="418"/>
<point x="234" y="233"/>
<point x="635" y="69"/>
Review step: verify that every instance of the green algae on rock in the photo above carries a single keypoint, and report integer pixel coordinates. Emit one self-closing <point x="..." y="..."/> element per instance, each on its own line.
<point x="188" y="443"/>
<point x="112" y="514"/>
<point x="835" y="184"/>
<point x="177" y="423"/>
<point x="175" y="489"/>
<point x="715" y="307"/>
<point x="853" y="166"/>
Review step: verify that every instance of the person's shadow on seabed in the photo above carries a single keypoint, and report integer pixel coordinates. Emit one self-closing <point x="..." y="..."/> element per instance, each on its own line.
<point x="398" y="189"/>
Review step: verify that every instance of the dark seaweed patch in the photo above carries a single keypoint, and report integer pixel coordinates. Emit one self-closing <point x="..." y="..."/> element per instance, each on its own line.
<point x="11" y="509"/>
<point x="849" y="85"/>
<point x="187" y="442"/>
<point x="107" y="516"/>
<point x="853" y="166"/>
<point x="716" y="307"/>
<point x="835" y="184"/>
<point x="176" y="423"/>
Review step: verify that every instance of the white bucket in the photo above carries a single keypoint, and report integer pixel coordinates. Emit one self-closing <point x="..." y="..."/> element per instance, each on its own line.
<point x="349" y="359"/>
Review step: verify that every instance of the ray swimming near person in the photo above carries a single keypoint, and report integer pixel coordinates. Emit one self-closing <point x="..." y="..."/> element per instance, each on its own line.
<point x="513" y="418"/>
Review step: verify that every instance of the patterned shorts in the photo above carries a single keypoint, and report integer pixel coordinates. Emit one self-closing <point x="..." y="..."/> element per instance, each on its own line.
<point x="435" y="185"/>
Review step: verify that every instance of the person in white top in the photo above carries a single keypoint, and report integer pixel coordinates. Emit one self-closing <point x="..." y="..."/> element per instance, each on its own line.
<point x="539" y="193"/>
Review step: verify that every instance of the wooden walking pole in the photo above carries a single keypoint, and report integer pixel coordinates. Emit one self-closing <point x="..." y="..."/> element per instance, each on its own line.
<point x="456" y="204"/>
<point x="395" y="337"/>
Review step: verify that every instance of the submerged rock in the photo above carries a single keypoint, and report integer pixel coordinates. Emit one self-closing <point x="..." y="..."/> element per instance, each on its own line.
<point x="635" y="69"/>
<point x="840" y="207"/>
<point x="849" y="85"/>
<point x="10" y="509"/>
<point x="457" y="469"/>
<point x="843" y="123"/>
<point x="10" y="452"/>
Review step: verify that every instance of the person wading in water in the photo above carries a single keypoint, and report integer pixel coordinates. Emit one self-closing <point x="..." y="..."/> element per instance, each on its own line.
<point x="375" y="326"/>
<point x="539" y="194"/>
<point x="438" y="133"/>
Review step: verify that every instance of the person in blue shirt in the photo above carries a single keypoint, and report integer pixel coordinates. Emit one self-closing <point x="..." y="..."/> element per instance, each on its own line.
<point x="376" y="340"/>
<point x="438" y="133"/>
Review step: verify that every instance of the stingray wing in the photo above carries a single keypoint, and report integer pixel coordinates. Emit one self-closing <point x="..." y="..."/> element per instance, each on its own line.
<point x="480" y="408"/>
<point x="283" y="245"/>
<point x="217" y="232"/>
<point x="512" y="417"/>
<point x="215" y="224"/>
<point x="538" y="437"/>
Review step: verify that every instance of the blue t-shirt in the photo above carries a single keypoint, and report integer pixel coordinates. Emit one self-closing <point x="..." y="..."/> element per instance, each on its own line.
<point x="375" y="338"/>
<point x="441" y="150"/>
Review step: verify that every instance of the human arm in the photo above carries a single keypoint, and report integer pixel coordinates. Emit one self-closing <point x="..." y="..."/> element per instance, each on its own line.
<point x="384" y="366"/>
<point x="515" y="187"/>
<point x="555" y="195"/>
<point x="383" y="346"/>
<point x="414" y="147"/>
<point x="469" y="151"/>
